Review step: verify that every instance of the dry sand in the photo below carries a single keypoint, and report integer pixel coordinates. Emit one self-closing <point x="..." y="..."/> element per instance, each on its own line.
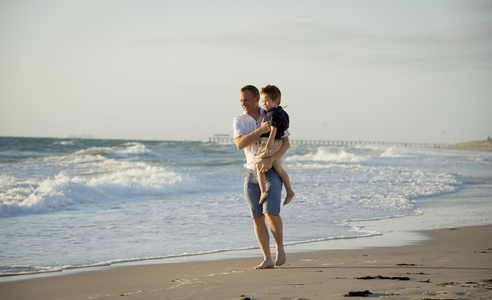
<point x="454" y="264"/>
<point x="472" y="146"/>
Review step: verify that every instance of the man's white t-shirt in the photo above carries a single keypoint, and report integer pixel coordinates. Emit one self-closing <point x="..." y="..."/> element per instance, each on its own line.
<point x="245" y="124"/>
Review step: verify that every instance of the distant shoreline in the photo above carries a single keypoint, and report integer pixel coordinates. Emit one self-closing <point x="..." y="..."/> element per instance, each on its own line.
<point x="472" y="146"/>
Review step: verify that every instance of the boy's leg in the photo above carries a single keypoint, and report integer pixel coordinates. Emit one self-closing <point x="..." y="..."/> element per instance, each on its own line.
<point x="262" y="184"/>
<point x="285" y="178"/>
<point x="260" y="154"/>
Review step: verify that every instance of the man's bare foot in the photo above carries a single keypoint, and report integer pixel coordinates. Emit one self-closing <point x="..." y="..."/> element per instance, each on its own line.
<point x="289" y="197"/>
<point x="266" y="264"/>
<point x="263" y="197"/>
<point x="281" y="258"/>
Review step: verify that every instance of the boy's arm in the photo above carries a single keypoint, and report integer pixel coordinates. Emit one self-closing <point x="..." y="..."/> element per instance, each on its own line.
<point x="268" y="147"/>
<point x="248" y="139"/>
<point x="267" y="162"/>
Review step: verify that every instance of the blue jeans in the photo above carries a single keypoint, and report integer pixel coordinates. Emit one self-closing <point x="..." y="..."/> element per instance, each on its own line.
<point x="252" y="191"/>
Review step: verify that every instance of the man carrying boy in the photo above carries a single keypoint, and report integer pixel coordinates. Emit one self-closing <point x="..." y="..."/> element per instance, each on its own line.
<point x="248" y="127"/>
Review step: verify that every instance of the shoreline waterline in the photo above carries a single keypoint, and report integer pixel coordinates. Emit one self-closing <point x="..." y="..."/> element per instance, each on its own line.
<point x="394" y="239"/>
<point x="454" y="264"/>
<point x="391" y="232"/>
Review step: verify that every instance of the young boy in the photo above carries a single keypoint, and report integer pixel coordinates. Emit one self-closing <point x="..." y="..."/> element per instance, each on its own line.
<point x="270" y="143"/>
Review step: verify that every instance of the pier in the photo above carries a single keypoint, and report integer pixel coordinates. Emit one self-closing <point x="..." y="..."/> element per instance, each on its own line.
<point x="227" y="139"/>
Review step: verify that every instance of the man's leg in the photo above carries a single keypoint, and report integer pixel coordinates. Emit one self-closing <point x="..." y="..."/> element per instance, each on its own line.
<point x="276" y="226"/>
<point x="263" y="238"/>
<point x="272" y="213"/>
<point x="252" y="193"/>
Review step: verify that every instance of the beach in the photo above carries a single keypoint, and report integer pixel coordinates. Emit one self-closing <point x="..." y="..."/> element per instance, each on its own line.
<point x="472" y="146"/>
<point x="104" y="219"/>
<point x="454" y="263"/>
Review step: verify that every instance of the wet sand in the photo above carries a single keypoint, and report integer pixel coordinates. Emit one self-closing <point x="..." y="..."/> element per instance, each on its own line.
<point x="454" y="264"/>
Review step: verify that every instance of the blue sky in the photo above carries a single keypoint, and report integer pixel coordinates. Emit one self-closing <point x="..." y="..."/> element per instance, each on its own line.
<point x="385" y="70"/>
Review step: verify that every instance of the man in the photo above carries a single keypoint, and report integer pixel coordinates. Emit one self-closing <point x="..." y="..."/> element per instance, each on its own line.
<point x="248" y="127"/>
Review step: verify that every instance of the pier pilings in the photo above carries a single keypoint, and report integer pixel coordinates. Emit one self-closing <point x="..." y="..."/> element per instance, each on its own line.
<point x="229" y="140"/>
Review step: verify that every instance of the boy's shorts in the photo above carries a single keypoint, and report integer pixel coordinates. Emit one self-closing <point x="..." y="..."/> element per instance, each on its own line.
<point x="260" y="153"/>
<point x="252" y="192"/>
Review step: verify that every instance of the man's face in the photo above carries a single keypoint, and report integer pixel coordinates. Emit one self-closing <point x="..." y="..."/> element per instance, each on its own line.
<point x="248" y="102"/>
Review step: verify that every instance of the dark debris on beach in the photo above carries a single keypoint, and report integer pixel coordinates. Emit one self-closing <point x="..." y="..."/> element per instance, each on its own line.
<point x="383" y="277"/>
<point x="358" y="294"/>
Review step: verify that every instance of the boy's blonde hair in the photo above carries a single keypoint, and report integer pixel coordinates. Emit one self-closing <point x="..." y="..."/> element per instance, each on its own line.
<point x="272" y="92"/>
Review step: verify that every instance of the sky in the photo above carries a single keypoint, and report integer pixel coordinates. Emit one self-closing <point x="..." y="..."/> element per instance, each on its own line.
<point x="353" y="70"/>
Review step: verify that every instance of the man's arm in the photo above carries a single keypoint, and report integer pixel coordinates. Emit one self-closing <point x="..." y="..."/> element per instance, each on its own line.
<point x="266" y="163"/>
<point x="248" y="139"/>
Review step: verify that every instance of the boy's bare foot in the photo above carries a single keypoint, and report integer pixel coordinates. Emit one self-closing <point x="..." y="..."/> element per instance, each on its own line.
<point x="281" y="258"/>
<point x="266" y="264"/>
<point x="289" y="197"/>
<point x="263" y="197"/>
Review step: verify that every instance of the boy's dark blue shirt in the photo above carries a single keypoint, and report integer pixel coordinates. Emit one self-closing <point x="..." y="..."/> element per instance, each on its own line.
<point x="277" y="117"/>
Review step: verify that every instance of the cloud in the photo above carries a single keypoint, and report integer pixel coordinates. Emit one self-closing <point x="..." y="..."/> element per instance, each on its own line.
<point x="268" y="35"/>
<point x="476" y="5"/>
<point x="466" y="45"/>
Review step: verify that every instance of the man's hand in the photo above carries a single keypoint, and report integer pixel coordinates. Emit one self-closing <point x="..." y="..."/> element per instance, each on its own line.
<point x="251" y="138"/>
<point x="264" y="165"/>
<point x="264" y="128"/>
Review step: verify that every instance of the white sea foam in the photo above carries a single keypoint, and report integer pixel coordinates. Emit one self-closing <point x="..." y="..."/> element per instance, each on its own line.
<point x="114" y="180"/>
<point x="6" y="180"/>
<point x="135" y="148"/>
<point x="327" y="155"/>
<point x="107" y="202"/>
<point x="390" y="152"/>
<point x="121" y="151"/>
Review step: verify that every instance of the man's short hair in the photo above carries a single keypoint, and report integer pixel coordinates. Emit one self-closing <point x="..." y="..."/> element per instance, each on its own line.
<point x="272" y="92"/>
<point x="252" y="89"/>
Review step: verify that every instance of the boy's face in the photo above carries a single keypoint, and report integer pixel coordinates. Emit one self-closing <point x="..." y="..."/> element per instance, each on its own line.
<point x="267" y="102"/>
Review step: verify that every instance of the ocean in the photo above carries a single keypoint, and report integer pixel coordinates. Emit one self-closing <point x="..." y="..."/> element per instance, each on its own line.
<point x="76" y="203"/>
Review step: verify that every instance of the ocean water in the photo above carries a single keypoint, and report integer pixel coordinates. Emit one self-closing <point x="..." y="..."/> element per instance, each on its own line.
<point x="70" y="203"/>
